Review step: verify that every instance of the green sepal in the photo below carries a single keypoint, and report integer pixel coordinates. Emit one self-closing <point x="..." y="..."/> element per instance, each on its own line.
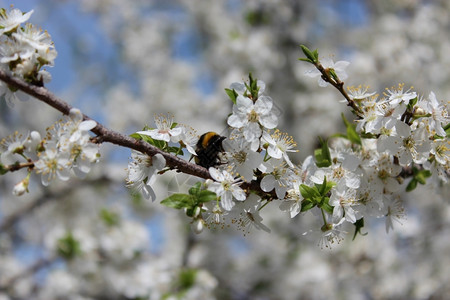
<point x="322" y="155"/>
<point x="359" y="224"/>
<point x="232" y="94"/>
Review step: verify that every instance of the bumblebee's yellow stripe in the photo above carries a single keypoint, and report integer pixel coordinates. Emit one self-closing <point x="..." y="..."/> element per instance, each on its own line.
<point x="206" y="138"/>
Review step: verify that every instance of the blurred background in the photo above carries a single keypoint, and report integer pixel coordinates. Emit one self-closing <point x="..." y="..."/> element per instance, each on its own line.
<point x="121" y="62"/>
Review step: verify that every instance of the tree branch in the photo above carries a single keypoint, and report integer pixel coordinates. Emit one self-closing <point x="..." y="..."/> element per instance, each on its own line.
<point x="107" y="135"/>
<point x="104" y="134"/>
<point x="36" y="266"/>
<point x="8" y="221"/>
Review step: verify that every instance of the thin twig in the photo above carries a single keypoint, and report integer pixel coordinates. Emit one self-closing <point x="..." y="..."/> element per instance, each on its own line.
<point x="18" y="166"/>
<point x="339" y="85"/>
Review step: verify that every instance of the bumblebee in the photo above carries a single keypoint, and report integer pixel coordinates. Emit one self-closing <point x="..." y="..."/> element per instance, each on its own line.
<point x="209" y="146"/>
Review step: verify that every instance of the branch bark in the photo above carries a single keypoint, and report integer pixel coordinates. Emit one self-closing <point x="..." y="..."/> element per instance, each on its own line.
<point x="105" y="134"/>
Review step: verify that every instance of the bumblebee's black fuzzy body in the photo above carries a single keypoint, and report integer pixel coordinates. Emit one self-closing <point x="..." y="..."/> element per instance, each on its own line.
<point x="209" y="146"/>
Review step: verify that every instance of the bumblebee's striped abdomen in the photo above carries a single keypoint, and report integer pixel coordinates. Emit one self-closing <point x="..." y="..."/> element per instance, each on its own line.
<point x="208" y="148"/>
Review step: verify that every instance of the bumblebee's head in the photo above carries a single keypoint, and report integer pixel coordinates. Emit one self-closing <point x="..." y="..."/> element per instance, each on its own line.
<point x="209" y="146"/>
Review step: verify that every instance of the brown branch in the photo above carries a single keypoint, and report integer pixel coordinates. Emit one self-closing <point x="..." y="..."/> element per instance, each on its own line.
<point x="104" y="134"/>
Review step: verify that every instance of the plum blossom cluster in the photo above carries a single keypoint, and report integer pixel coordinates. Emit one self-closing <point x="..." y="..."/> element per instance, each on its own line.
<point x="397" y="141"/>
<point x="66" y="148"/>
<point x="117" y="251"/>
<point x="24" y="51"/>
<point x="254" y="151"/>
<point x="399" y="137"/>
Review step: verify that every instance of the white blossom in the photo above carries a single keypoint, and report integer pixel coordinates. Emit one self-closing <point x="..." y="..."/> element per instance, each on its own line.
<point x="226" y="187"/>
<point x="142" y="170"/>
<point x="164" y="130"/>
<point x="252" y="115"/>
<point x="9" y="21"/>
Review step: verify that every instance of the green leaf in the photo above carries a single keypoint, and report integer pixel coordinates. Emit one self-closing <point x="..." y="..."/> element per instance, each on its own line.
<point x="307" y="205"/>
<point x="322" y="155"/>
<point x="447" y="129"/>
<point x="232" y="94"/>
<point x="190" y="212"/>
<point x="3" y="170"/>
<point x="411" y="185"/>
<point x="325" y="187"/>
<point x="157" y="143"/>
<point x="178" y="201"/>
<point x="352" y="135"/>
<point x="68" y="246"/>
<point x="206" y="196"/>
<point x="422" y="175"/>
<point x="175" y="150"/>
<point x="309" y="192"/>
<point x="306" y="59"/>
<point x="253" y="86"/>
<point x="110" y="218"/>
<point x="322" y="186"/>
<point x="411" y="104"/>
<point x="195" y="189"/>
<point x="326" y="206"/>
<point x="136" y="136"/>
<point x="186" y="279"/>
<point x="311" y="55"/>
<point x="339" y="135"/>
<point x="359" y="224"/>
<point x="316" y="55"/>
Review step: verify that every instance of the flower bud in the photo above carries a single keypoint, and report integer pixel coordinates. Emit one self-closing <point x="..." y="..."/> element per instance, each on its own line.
<point x="197" y="211"/>
<point x="197" y="225"/>
<point x="22" y="187"/>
